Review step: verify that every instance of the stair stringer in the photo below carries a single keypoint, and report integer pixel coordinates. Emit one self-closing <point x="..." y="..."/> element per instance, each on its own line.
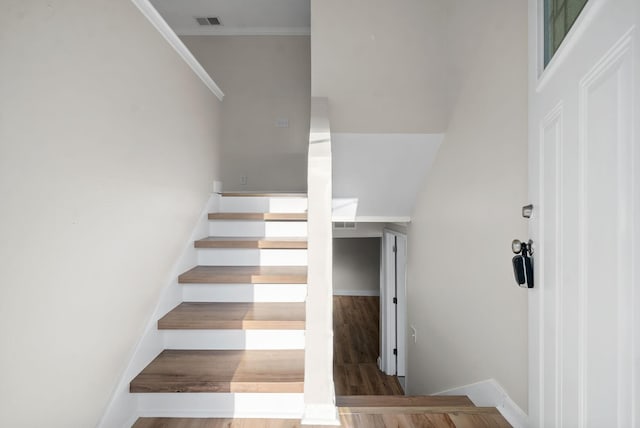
<point x="123" y="407"/>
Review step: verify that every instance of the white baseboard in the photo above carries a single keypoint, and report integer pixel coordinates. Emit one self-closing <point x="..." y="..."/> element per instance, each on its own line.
<point x="356" y="292"/>
<point x="489" y="393"/>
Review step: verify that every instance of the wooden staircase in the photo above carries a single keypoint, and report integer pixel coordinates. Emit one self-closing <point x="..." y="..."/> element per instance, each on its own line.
<point x="232" y="348"/>
<point x="368" y="411"/>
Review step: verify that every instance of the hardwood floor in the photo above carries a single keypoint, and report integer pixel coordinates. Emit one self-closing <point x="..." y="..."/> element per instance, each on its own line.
<point x="356" y="347"/>
<point x="252" y="242"/>
<point x="245" y="275"/>
<point x="477" y="417"/>
<point x="259" y="216"/>
<point x="403" y="401"/>
<point x="356" y="350"/>
<point x="223" y="371"/>
<point x="264" y="195"/>
<point x="238" y="316"/>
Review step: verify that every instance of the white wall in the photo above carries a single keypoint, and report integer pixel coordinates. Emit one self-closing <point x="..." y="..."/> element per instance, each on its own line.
<point x="264" y="78"/>
<point x="471" y="319"/>
<point x="380" y="63"/>
<point x="108" y="150"/>
<point x="356" y="266"/>
<point x="384" y="172"/>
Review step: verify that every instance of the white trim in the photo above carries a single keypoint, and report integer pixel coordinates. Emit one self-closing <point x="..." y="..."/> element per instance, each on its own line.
<point x="221" y="405"/>
<point x="132" y="420"/>
<point x="381" y="219"/>
<point x="393" y="270"/>
<point x="554" y="120"/>
<point x="357" y="234"/>
<point x="356" y="292"/>
<point x="489" y="393"/>
<point x="170" y="36"/>
<point x="320" y="414"/>
<point x="252" y="31"/>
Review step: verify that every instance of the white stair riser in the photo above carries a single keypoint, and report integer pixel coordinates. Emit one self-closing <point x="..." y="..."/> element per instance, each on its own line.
<point x="251" y="257"/>
<point x="262" y="205"/>
<point x="233" y="339"/>
<point x="221" y="405"/>
<point x="257" y="228"/>
<point x="244" y="292"/>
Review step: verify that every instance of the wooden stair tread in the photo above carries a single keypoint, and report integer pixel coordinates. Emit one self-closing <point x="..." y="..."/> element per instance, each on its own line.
<point x="481" y="418"/>
<point x="223" y="371"/>
<point x="264" y="194"/>
<point x="259" y="216"/>
<point x="402" y="401"/>
<point x="382" y="410"/>
<point x="245" y="275"/>
<point x="272" y="316"/>
<point x="251" y="242"/>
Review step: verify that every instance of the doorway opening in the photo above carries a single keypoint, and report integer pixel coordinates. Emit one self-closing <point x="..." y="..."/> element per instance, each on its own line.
<point x="357" y="309"/>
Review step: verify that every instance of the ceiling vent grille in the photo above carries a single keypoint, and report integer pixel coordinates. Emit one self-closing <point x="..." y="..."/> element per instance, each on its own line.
<point x="211" y="20"/>
<point x="344" y="225"/>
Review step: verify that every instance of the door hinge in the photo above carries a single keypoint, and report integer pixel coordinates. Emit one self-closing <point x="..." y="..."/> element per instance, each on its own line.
<point x="395" y="351"/>
<point x="395" y="300"/>
<point x="395" y="248"/>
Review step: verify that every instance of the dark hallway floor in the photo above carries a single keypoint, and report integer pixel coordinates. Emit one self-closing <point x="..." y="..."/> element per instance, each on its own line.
<point x="356" y="347"/>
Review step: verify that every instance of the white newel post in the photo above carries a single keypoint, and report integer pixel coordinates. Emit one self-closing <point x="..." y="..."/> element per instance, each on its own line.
<point x="319" y="393"/>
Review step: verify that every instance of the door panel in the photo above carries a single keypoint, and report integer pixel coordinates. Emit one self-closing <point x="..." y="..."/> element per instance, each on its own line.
<point x="584" y="155"/>
<point x="605" y="145"/>
<point x="393" y="315"/>
<point x="401" y="307"/>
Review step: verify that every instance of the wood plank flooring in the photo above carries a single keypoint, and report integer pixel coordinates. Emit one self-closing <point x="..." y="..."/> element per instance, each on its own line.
<point x="482" y="418"/>
<point x="249" y="316"/>
<point x="265" y="195"/>
<point x="245" y="275"/>
<point x="252" y="242"/>
<point x="403" y="401"/>
<point x="223" y="371"/>
<point x="259" y="216"/>
<point x="356" y="348"/>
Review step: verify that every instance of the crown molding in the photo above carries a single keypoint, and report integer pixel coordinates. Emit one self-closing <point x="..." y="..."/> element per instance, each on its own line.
<point x="170" y="36"/>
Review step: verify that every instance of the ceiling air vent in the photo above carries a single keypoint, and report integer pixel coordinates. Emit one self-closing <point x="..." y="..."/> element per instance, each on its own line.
<point x="211" y="20"/>
<point x="344" y="225"/>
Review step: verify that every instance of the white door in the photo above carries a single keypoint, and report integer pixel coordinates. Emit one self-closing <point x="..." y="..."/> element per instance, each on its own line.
<point x="585" y="186"/>
<point x="393" y="303"/>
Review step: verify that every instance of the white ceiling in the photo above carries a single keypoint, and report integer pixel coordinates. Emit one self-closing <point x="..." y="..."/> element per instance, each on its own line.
<point x="238" y="17"/>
